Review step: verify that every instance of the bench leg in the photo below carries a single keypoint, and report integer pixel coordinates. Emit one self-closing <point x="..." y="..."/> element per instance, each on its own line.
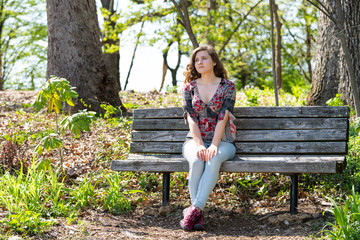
<point x="166" y="188"/>
<point x="294" y="193"/>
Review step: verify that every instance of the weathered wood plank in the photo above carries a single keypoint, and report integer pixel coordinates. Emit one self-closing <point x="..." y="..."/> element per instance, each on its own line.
<point x="291" y="123"/>
<point x="173" y="112"/>
<point x="240" y="157"/>
<point x="292" y="147"/>
<point x="249" y="123"/>
<point x="248" y="135"/>
<point x="276" y="166"/>
<point x="159" y="124"/>
<point x="250" y="147"/>
<point x="292" y="135"/>
<point x="307" y="111"/>
<point x="156" y="147"/>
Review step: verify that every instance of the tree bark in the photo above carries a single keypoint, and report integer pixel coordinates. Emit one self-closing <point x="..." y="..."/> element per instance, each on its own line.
<point x="331" y="73"/>
<point x="351" y="12"/>
<point x="278" y="47"/>
<point x="1" y="75"/>
<point x="326" y="76"/>
<point x="271" y="5"/>
<point x="74" y="53"/>
<point x="308" y="57"/>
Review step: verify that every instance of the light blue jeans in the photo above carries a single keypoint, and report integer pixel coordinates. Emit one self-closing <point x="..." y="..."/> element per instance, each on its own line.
<point x="203" y="175"/>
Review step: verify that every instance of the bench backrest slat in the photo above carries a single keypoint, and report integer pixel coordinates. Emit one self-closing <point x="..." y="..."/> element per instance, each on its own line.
<point x="248" y="123"/>
<point x="316" y="111"/>
<point x="249" y="135"/>
<point x="250" y="147"/>
<point x="260" y="130"/>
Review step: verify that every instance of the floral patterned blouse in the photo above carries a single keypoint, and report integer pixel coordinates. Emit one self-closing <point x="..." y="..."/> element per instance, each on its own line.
<point x="207" y="115"/>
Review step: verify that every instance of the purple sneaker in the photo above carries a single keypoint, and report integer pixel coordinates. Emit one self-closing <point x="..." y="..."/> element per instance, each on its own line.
<point x="199" y="225"/>
<point x="191" y="216"/>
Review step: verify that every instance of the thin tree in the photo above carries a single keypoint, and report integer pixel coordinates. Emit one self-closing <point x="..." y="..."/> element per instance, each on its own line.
<point x="133" y="55"/>
<point x="112" y="59"/>
<point x="167" y="67"/>
<point x="273" y="63"/>
<point x="278" y="47"/>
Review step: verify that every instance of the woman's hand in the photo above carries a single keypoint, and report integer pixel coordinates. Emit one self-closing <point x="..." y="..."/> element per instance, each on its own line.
<point x="211" y="152"/>
<point x="201" y="152"/>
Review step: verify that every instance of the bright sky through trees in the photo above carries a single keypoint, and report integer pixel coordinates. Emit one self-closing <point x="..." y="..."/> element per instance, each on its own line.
<point x="146" y="73"/>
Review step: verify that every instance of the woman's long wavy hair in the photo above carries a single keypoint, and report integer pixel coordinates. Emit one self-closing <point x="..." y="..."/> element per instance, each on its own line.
<point x="191" y="73"/>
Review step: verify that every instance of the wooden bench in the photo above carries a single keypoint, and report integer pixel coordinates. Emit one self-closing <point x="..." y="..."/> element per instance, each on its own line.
<point x="285" y="140"/>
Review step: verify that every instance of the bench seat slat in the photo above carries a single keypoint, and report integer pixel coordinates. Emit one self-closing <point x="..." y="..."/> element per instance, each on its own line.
<point x="249" y="123"/>
<point x="256" y="164"/>
<point x="250" y="147"/>
<point x="308" y="111"/>
<point x="248" y="135"/>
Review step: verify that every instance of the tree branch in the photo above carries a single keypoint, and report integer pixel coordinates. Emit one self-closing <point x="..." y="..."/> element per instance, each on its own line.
<point x="237" y="28"/>
<point x="324" y="11"/>
<point x="184" y="15"/>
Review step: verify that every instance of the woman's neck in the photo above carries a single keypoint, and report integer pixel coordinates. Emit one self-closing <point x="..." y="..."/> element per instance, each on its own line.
<point x="209" y="78"/>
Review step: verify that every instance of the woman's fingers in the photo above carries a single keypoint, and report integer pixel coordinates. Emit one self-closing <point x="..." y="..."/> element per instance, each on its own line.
<point x="206" y="154"/>
<point x="201" y="153"/>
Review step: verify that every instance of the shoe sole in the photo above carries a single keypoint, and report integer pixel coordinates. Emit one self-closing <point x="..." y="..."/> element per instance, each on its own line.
<point x="198" y="227"/>
<point x="184" y="227"/>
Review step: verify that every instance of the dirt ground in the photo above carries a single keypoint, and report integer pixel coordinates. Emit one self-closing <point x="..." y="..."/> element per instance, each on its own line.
<point x="153" y="221"/>
<point x="160" y="222"/>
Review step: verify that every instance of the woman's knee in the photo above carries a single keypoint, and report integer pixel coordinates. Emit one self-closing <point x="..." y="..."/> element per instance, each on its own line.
<point x="226" y="150"/>
<point x="196" y="164"/>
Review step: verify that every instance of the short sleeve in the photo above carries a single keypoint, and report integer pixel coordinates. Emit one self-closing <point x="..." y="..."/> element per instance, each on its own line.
<point x="229" y="103"/>
<point x="187" y="93"/>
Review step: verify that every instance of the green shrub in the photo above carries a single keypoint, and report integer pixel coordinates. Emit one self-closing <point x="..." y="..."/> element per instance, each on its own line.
<point x="347" y="219"/>
<point x="26" y="223"/>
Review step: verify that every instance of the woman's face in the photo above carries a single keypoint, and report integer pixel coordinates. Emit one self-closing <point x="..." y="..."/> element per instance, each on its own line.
<point x="203" y="62"/>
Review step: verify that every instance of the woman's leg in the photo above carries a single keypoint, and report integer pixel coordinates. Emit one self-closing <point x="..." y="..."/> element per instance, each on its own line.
<point x="196" y="167"/>
<point x="226" y="151"/>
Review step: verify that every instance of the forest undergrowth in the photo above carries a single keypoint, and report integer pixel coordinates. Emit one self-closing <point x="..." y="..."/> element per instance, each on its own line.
<point x="36" y="192"/>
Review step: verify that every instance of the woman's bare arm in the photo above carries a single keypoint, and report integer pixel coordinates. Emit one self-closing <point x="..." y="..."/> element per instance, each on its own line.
<point x="195" y="133"/>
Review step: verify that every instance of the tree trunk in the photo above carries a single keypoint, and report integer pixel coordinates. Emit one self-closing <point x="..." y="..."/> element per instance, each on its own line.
<point x="112" y="60"/>
<point x="308" y="57"/>
<point x="74" y="53"/>
<point x="278" y="47"/>
<point x="1" y="75"/>
<point x="210" y="7"/>
<point x="272" y="8"/>
<point x="352" y="32"/>
<point x="176" y="68"/>
<point x="133" y="56"/>
<point x="327" y="71"/>
<point x="331" y="73"/>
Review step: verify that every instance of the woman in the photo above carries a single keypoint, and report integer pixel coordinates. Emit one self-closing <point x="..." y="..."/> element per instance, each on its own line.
<point x="208" y="102"/>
